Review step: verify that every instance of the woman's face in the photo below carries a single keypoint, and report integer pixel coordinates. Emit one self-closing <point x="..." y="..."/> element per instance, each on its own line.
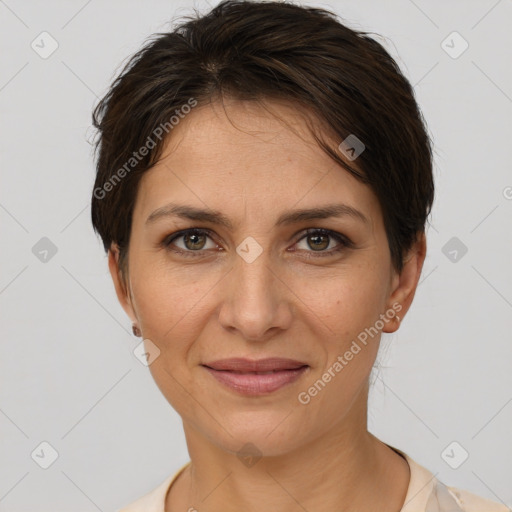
<point x="257" y="287"/>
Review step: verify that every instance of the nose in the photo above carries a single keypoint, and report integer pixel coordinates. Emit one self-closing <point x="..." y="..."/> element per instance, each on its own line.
<point x="255" y="300"/>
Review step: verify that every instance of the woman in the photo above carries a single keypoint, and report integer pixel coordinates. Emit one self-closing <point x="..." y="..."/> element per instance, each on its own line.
<point x="263" y="182"/>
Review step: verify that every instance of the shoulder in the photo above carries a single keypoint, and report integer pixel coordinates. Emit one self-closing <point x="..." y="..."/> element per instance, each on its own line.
<point x="428" y="494"/>
<point x="470" y="502"/>
<point x="154" y="501"/>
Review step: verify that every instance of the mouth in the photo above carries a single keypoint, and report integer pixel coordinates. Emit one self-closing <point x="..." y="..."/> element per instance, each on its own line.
<point x="256" y="377"/>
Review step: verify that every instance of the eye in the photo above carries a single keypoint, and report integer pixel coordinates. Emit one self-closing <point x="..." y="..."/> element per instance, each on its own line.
<point x="193" y="242"/>
<point x="318" y="239"/>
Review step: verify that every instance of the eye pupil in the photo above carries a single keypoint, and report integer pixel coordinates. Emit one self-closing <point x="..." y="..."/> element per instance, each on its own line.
<point x="194" y="236"/>
<point x="317" y="238"/>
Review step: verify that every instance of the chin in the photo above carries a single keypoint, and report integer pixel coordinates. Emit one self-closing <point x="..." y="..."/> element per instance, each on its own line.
<point x="258" y="434"/>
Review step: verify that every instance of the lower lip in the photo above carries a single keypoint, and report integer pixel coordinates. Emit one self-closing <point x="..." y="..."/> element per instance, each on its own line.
<point x="254" y="384"/>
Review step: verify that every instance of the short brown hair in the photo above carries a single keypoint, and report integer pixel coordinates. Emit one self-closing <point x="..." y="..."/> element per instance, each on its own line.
<point x="252" y="50"/>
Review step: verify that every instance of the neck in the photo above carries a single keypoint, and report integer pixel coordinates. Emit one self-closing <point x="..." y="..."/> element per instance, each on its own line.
<point x="345" y="469"/>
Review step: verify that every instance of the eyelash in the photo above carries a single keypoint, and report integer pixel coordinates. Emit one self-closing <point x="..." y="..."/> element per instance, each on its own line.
<point x="344" y="242"/>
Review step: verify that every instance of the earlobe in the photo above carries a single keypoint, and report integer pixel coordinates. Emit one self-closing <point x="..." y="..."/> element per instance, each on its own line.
<point x="407" y="281"/>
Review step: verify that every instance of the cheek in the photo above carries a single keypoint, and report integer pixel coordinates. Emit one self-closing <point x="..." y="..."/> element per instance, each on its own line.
<point x="346" y="308"/>
<point x="171" y="308"/>
<point x="167" y="298"/>
<point x="174" y="302"/>
<point x="344" y="302"/>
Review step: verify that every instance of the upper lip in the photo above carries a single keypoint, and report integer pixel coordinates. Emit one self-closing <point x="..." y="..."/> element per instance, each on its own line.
<point x="250" y="365"/>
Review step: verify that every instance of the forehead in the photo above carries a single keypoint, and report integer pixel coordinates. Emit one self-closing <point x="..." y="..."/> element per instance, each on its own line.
<point x="246" y="125"/>
<point x="257" y="157"/>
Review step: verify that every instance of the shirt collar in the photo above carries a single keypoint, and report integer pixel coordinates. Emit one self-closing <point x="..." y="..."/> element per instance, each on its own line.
<point x="421" y="485"/>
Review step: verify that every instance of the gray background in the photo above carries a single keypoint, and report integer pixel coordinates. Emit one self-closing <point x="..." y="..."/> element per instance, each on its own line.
<point x="69" y="376"/>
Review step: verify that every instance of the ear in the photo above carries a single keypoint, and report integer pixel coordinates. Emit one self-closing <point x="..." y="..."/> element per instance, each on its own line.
<point x="122" y="291"/>
<point x="404" y="284"/>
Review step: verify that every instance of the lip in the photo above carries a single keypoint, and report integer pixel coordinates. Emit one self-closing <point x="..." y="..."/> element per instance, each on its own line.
<point x="246" y="376"/>
<point x="268" y="364"/>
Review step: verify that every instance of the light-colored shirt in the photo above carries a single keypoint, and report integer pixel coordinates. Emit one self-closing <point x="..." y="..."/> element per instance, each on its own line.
<point x="424" y="494"/>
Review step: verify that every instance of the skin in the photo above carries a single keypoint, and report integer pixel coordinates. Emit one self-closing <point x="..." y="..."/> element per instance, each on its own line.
<point x="252" y="167"/>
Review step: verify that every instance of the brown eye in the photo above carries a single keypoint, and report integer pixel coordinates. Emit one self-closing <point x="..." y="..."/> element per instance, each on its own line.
<point x="318" y="240"/>
<point x="194" y="241"/>
<point x="190" y="242"/>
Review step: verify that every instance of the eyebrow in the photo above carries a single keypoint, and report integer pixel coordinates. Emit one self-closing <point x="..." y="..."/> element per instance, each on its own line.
<point x="286" y="218"/>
